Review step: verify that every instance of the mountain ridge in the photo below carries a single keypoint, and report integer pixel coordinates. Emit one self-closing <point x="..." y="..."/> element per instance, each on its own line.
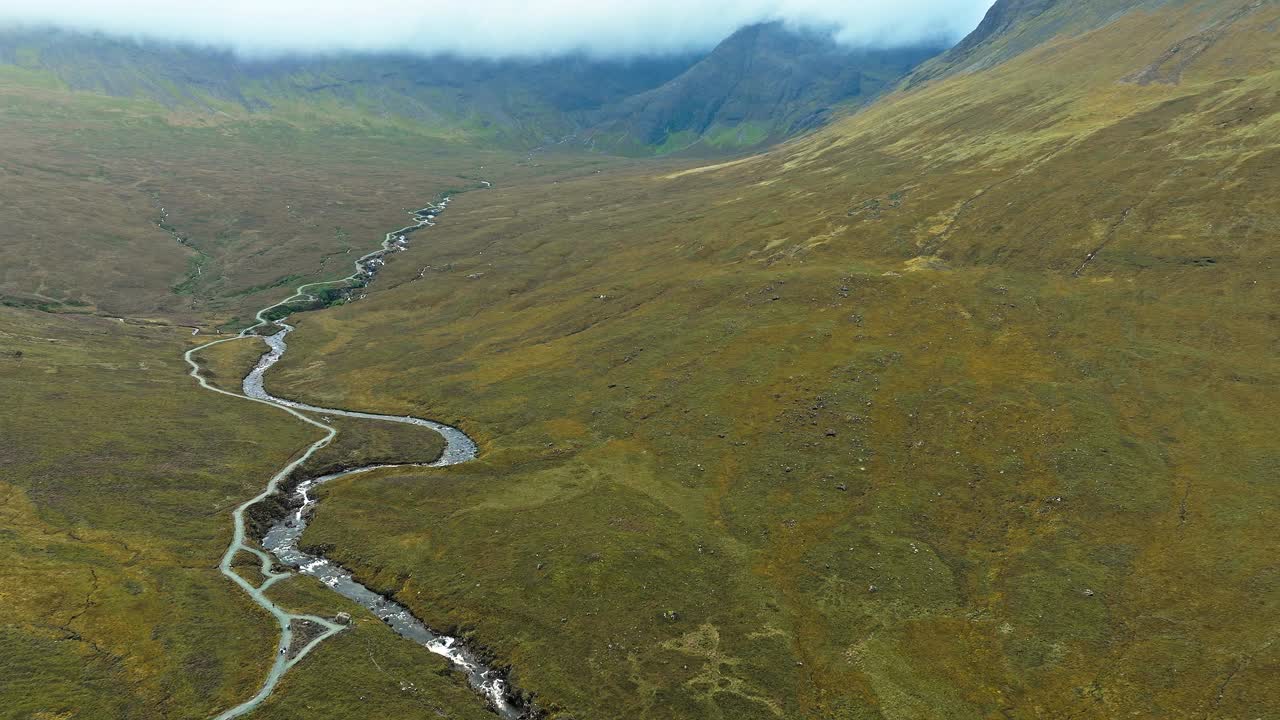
<point x="764" y="83"/>
<point x="767" y="81"/>
<point x="1011" y="27"/>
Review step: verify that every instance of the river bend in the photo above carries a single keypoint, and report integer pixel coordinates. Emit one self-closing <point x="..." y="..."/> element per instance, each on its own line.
<point x="301" y="633"/>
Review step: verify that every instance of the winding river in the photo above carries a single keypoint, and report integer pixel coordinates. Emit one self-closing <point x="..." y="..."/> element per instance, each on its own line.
<point x="301" y="633"/>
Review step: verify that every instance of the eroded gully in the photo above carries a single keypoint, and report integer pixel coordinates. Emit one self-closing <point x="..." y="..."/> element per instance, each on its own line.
<point x="301" y="633"/>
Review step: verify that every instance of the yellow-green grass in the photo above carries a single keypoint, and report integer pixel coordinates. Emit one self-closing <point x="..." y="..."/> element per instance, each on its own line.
<point x="960" y="408"/>
<point x="858" y="428"/>
<point x="368" y="442"/>
<point x="249" y="567"/>
<point x="225" y="365"/>
<point x="119" y="479"/>
<point x="123" y="207"/>
<point x="120" y="473"/>
<point x="359" y="442"/>
<point x="366" y="671"/>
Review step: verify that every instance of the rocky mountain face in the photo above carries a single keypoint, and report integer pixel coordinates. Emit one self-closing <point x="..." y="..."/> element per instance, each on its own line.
<point x="765" y="83"/>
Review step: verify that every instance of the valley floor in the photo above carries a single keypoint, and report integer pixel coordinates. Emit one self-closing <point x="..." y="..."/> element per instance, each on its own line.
<point x="963" y="407"/>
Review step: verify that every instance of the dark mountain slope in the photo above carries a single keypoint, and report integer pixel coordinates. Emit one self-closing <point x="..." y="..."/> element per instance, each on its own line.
<point x="763" y="83"/>
<point x="515" y="101"/>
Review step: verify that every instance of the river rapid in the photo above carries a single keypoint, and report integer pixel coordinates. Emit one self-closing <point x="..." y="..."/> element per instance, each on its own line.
<point x="300" y="633"/>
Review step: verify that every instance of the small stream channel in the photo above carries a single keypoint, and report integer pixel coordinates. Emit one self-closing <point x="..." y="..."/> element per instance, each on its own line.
<point x="282" y="540"/>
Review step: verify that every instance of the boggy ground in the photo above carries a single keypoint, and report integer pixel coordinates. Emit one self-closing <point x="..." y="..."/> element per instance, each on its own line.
<point x="1035" y="303"/>
<point x="359" y="442"/>
<point x="960" y="408"/>
<point x="123" y="206"/>
<point x="119" y="477"/>
<point x="119" y="473"/>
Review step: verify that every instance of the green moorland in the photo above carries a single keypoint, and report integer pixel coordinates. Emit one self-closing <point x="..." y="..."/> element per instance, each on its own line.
<point x="962" y="407"/>
<point x="359" y="442"/>
<point x="366" y="672"/>
<point x="368" y="442"/>
<point x="126" y="207"/>
<point x="118" y="478"/>
<point x="117" y="473"/>
<point x="224" y="365"/>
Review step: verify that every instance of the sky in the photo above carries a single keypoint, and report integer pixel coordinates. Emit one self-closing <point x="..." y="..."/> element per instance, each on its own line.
<point x="493" y="28"/>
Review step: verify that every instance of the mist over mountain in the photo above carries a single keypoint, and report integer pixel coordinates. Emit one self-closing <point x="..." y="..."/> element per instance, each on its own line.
<point x="764" y="83"/>
<point x="631" y="78"/>
<point x="499" y="29"/>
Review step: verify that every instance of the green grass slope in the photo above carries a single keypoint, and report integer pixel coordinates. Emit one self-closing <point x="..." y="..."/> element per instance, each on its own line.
<point x="119" y="473"/>
<point x="1011" y="27"/>
<point x="125" y="207"/>
<point x="959" y="408"/>
<point x="119" y="478"/>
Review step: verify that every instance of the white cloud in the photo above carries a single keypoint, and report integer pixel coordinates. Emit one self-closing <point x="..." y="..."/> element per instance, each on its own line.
<point x="492" y="28"/>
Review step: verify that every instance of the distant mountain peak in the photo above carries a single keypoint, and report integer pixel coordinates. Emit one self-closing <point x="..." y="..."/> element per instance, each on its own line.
<point x="763" y="83"/>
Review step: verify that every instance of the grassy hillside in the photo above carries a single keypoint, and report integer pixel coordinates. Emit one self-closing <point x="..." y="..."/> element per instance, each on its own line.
<point x="122" y="206"/>
<point x="962" y="407"/>
<point x="119" y="472"/>
<point x="1012" y="27"/>
<point x="959" y="408"/>
<point x="118" y="477"/>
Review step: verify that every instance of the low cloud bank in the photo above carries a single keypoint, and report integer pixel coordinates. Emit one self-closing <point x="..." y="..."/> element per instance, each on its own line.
<point x="493" y="28"/>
